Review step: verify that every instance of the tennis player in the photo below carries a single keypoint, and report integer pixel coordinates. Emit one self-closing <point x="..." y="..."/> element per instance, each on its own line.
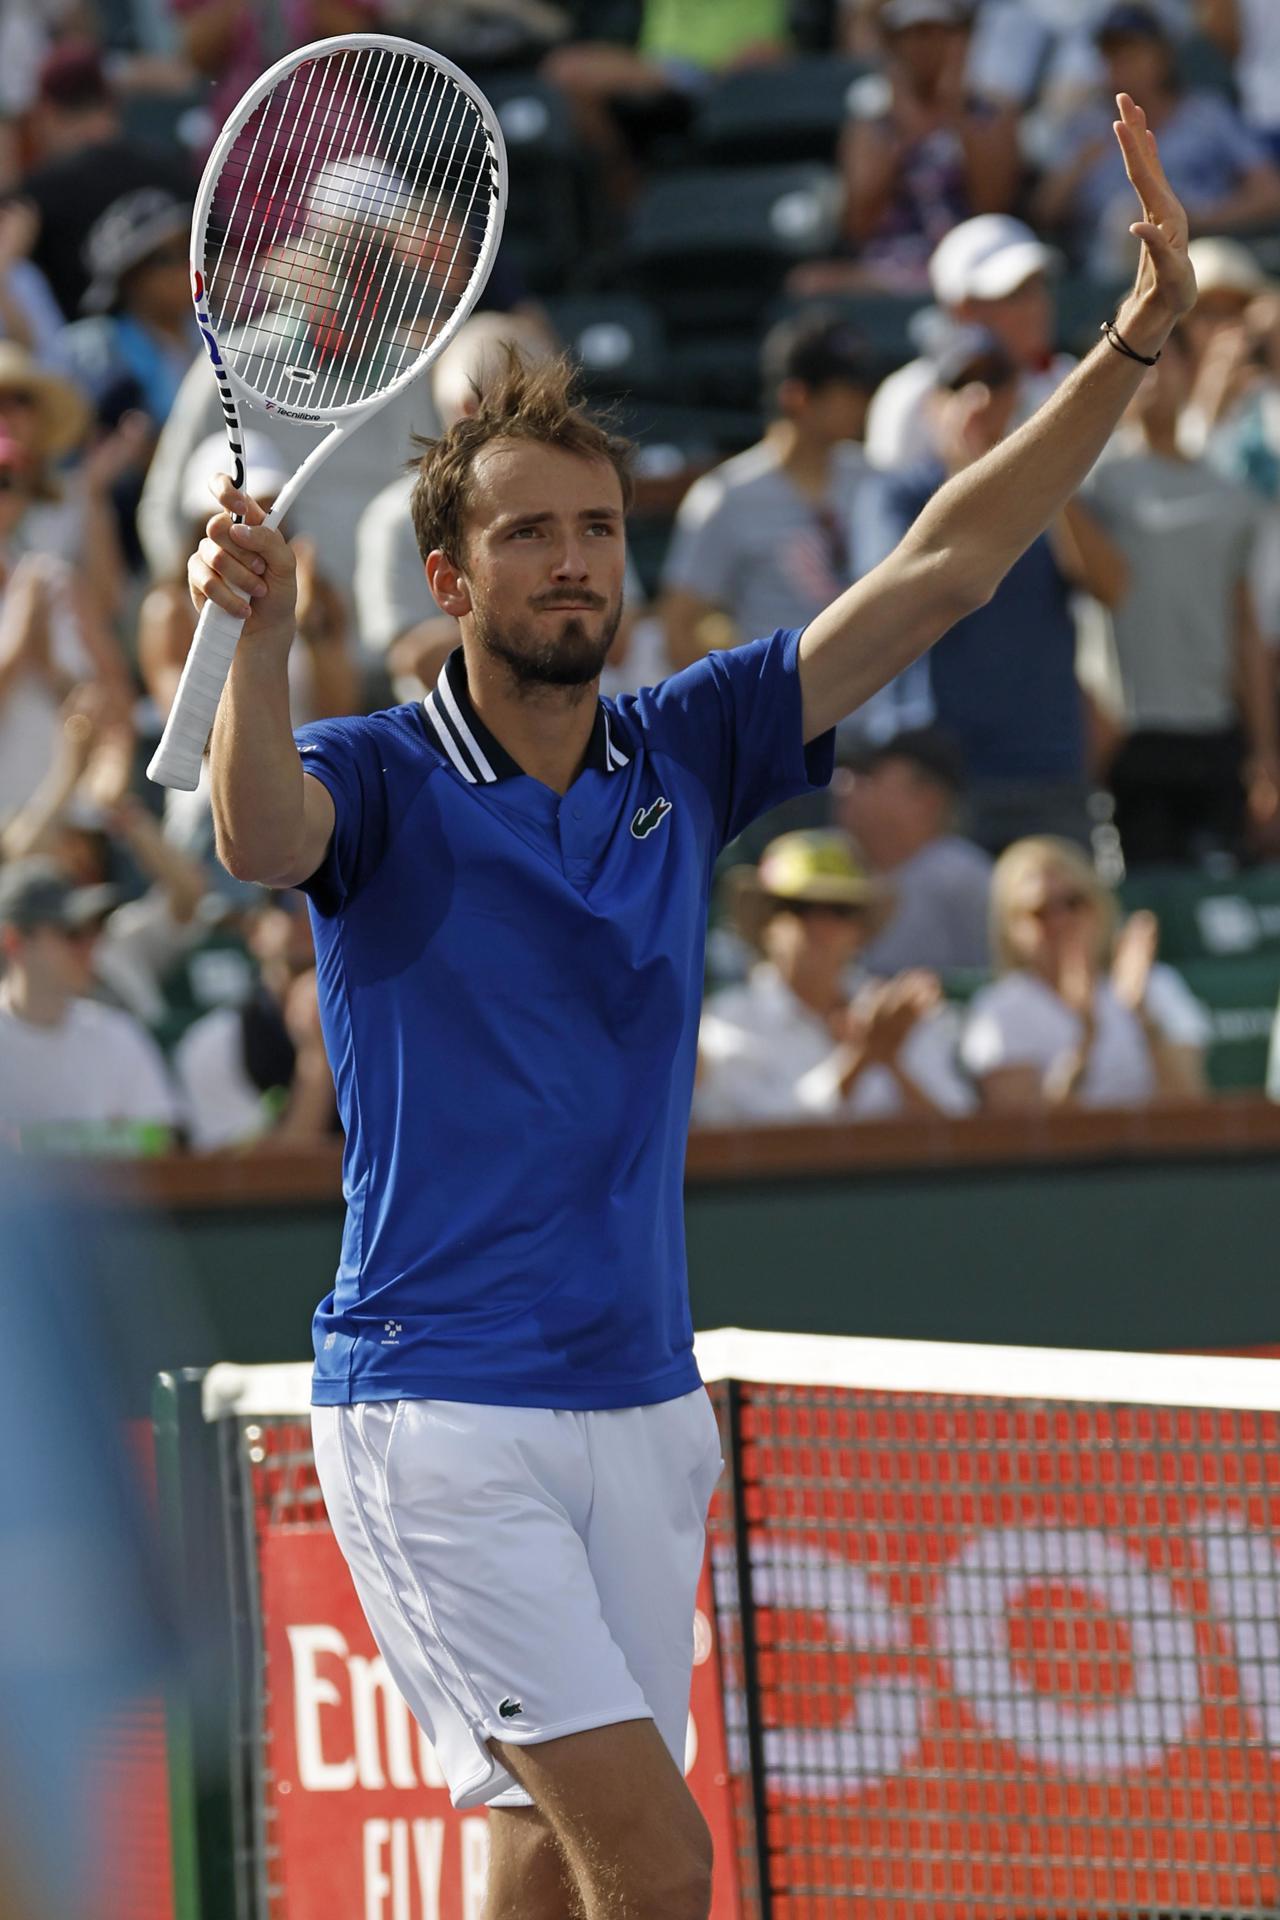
<point x="508" y="886"/>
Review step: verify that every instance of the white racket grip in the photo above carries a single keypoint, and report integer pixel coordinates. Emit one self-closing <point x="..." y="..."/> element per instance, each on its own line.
<point x="176" y="762"/>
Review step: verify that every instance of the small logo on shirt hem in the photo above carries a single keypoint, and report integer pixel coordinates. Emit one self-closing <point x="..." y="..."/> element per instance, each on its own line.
<point x="393" y="1330"/>
<point x="509" y="1708"/>
<point x="648" y="818"/>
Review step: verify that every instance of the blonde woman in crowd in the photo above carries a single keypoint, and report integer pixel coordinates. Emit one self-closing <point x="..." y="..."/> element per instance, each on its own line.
<point x="1080" y="1014"/>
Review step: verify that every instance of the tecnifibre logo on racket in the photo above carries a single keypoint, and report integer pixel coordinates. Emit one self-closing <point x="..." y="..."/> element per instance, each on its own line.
<point x="647" y="819"/>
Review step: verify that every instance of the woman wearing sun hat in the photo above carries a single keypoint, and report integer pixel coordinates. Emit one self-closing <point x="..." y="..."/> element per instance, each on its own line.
<point x="70" y="515"/>
<point x="803" y="1038"/>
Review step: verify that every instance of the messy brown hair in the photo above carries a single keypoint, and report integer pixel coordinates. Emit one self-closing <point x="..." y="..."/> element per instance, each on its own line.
<point x="520" y="401"/>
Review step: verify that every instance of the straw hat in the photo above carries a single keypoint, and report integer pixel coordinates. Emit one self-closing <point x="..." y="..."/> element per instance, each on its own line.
<point x="62" y="410"/>
<point x="817" y="866"/>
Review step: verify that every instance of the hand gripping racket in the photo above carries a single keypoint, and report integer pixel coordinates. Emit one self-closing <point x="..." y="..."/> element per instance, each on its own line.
<point x="344" y="229"/>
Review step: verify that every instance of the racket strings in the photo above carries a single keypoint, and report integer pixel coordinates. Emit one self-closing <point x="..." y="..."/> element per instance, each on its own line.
<point x="346" y="226"/>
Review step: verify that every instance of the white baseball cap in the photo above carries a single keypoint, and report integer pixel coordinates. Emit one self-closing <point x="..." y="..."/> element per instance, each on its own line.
<point x="986" y="258"/>
<point x="1226" y="266"/>
<point x="267" y="472"/>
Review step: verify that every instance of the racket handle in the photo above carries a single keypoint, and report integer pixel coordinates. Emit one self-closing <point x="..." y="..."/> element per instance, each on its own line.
<point x="176" y="762"/>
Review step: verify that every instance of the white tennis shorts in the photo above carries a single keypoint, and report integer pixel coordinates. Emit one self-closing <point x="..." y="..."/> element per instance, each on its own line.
<point x="527" y="1572"/>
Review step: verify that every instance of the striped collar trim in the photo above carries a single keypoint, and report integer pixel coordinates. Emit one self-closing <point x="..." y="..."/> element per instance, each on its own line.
<point x="465" y="741"/>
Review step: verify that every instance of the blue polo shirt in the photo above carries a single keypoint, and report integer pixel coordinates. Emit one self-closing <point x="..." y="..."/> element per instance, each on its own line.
<point x="510" y="985"/>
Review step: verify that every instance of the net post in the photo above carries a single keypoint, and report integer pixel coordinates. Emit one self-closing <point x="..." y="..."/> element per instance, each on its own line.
<point x="749" y="1649"/>
<point x="195" y="1707"/>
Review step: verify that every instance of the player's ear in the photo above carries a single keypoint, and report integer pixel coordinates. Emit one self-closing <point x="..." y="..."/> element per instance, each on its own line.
<point x="447" y="584"/>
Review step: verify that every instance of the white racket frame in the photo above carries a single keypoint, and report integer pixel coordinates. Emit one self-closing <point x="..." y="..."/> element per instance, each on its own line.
<point x="178" y="758"/>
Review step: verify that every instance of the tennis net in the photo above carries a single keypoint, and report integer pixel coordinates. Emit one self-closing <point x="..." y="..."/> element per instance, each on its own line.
<point x="987" y="1634"/>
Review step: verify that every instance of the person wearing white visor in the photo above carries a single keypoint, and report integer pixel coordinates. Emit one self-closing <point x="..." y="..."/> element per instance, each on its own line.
<point x="991" y="272"/>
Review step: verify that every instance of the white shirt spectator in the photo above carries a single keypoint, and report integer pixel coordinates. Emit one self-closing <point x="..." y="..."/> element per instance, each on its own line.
<point x="226" y="1109"/>
<point x="1020" y="1021"/>
<point x="97" y="1075"/>
<point x="30" y="715"/>
<point x="765" y="1057"/>
<point x="747" y="539"/>
<point x="899" y="431"/>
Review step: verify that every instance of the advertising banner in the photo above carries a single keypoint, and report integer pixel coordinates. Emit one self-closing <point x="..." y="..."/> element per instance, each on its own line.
<point x="359" y="1821"/>
<point x="1012" y="1660"/>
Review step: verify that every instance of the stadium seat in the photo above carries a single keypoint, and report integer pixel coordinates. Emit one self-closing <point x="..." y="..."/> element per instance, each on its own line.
<point x="792" y="111"/>
<point x="710" y="246"/>
<point x="544" y="228"/>
<point x="670" y="438"/>
<point x="884" y="320"/>
<point x="1241" y="997"/>
<point x="1235" y="918"/>
<point x="719" y="369"/>
<point x="618" y="340"/>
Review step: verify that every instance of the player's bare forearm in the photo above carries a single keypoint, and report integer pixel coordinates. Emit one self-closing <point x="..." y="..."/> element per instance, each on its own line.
<point x="975" y="527"/>
<point x="255" y="774"/>
<point x="273" y="824"/>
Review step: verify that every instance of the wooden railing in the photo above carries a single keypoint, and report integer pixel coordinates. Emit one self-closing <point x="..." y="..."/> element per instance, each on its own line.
<point x="1224" y="1128"/>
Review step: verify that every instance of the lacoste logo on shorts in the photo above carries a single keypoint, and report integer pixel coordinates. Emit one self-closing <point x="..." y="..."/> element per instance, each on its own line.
<point x="647" y="818"/>
<point x="509" y="1708"/>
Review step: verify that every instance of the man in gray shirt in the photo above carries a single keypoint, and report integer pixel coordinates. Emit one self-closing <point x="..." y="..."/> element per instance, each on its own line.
<point x="898" y="800"/>
<point x="761" y="541"/>
<point x="1197" y="684"/>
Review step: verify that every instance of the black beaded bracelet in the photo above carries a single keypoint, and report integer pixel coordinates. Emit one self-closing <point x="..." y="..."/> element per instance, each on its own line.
<point x="1114" y="338"/>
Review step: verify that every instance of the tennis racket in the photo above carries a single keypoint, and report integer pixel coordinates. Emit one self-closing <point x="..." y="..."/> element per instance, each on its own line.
<point x="345" y="226"/>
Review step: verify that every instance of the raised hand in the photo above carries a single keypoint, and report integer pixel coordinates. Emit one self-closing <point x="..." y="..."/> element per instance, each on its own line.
<point x="1166" y="284"/>
<point x="245" y="568"/>
<point x="1135" y="955"/>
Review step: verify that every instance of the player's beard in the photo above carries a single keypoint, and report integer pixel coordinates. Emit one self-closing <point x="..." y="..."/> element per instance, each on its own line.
<point x="571" y="655"/>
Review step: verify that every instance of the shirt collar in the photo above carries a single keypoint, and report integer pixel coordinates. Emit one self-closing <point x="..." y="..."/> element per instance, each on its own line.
<point x="482" y="760"/>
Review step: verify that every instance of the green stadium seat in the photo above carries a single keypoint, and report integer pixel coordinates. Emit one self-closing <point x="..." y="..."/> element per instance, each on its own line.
<point x="1241" y="997"/>
<point x="618" y="340"/>
<point x="710" y="247"/>
<point x="1202" y="918"/>
<point x="670" y="436"/>
<point x="718" y="369"/>
<point x="884" y="320"/>
<point x="791" y="111"/>
<point x="544" y="229"/>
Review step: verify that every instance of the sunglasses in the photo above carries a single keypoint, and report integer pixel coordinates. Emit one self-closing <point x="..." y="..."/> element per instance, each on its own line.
<point x="814" y="909"/>
<point x="1060" y="903"/>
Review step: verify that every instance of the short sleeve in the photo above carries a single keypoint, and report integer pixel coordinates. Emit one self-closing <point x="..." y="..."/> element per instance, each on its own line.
<point x="735" y="720"/>
<point x="703" y="544"/>
<point x="349" y="758"/>
<point x="1002" y="1031"/>
<point x="1182" y="1019"/>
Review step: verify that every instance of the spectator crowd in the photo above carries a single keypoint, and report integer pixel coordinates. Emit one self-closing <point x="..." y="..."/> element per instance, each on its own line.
<point x="965" y="921"/>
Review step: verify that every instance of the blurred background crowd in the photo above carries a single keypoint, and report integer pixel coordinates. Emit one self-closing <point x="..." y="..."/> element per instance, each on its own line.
<point x="817" y="256"/>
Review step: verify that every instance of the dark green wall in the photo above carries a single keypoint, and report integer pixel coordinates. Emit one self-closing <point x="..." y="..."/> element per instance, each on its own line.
<point x="1157" y="1254"/>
